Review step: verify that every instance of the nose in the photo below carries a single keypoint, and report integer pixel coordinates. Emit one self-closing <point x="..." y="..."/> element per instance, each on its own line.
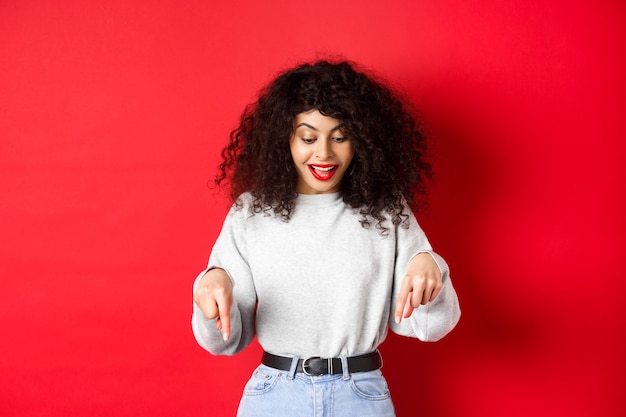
<point x="324" y="149"/>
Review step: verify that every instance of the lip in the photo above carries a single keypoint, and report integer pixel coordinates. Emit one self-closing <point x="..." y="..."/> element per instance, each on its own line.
<point x="323" y="172"/>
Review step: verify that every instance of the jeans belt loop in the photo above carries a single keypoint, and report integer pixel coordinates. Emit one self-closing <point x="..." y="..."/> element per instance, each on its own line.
<point x="345" y="368"/>
<point x="292" y="369"/>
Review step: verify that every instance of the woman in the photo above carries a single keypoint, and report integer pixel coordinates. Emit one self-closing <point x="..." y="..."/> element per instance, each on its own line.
<point x="321" y="253"/>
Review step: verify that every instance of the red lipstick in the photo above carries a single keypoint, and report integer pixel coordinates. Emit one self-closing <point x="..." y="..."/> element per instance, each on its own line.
<point x="323" y="172"/>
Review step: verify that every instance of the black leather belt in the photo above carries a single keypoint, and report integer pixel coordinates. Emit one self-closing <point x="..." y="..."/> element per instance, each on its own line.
<point x="322" y="366"/>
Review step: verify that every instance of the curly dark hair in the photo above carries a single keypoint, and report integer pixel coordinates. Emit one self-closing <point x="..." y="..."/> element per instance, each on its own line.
<point x="389" y="166"/>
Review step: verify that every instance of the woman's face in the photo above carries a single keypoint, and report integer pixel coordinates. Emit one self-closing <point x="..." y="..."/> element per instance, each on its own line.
<point x="321" y="152"/>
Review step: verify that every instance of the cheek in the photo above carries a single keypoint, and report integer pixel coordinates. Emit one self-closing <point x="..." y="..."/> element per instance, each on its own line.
<point x="298" y="154"/>
<point x="348" y="155"/>
<point x="292" y="149"/>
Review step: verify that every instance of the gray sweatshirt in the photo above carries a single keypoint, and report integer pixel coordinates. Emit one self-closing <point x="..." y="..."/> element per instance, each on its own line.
<point x="319" y="284"/>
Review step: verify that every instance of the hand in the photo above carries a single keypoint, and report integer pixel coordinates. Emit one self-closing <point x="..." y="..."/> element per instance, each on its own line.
<point x="421" y="285"/>
<point x="214" y="296"/>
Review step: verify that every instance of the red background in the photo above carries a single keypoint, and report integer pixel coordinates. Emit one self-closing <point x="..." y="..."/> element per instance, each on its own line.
<point x="111" y="118"/>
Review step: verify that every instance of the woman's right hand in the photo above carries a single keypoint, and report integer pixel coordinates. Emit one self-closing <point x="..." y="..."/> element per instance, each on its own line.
<point x="214" y="296"/>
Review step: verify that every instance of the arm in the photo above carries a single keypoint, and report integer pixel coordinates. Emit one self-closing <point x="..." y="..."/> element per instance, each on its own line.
<point x="214" y="297"/>
<point x="422" y="284"/>
<point x="224" y="295"/>
<point x="426" y="299"/>
<point x="424" y="303"/>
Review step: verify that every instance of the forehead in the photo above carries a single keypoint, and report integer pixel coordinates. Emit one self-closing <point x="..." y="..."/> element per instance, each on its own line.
<point x="316" y="120"/>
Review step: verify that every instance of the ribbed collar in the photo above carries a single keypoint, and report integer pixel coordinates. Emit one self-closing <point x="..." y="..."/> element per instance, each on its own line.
<point x="318" y="200"/>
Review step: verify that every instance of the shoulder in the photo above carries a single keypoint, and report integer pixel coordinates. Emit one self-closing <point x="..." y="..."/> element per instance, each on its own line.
<point x="245" y="200"/>
<point x="248" y="205"/>
<point x="393" y="218"/>
<point x="240" y="208"/>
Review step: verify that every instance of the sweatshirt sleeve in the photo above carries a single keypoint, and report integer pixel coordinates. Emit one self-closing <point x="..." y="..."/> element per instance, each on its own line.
<point x="229" y="254"/>
<point x="434" y="320"/>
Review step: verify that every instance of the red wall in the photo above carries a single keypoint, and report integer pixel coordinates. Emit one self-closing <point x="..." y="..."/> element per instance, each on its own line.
<point x="111" y="118"/>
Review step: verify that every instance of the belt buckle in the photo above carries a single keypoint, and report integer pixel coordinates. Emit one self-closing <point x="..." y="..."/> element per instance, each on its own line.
<point x="305" y="366"/>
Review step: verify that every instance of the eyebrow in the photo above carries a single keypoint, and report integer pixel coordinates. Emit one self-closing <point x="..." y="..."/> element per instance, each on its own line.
<point x="338" y="127"/>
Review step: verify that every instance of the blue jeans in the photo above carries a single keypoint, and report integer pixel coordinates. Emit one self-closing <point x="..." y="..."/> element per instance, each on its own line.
<point x="275" y="393"/>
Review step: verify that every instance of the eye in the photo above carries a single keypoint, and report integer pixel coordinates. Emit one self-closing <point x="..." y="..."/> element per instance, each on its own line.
<point x="340" y="139"/>
<point x="308" y="141"/>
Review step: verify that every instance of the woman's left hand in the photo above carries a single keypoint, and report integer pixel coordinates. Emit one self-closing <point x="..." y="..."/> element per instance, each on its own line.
<point x="421" y="285"/>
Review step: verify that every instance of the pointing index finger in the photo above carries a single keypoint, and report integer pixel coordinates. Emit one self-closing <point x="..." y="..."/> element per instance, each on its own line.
<point x="223" y="305"/>
<point x="402" y="300"/>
